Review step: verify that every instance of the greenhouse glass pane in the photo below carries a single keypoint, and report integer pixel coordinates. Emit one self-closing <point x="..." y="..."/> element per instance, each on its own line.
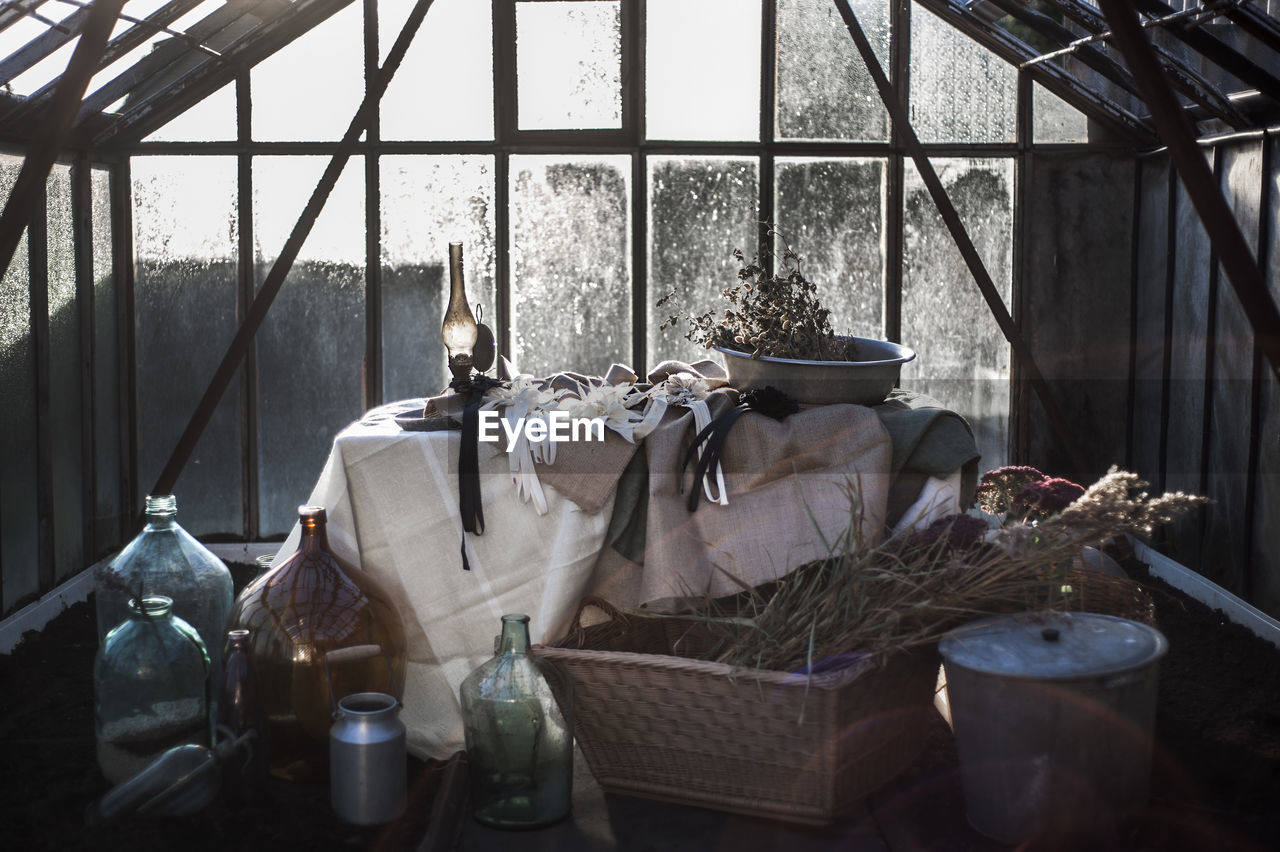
<point x="702" y="69"/>
<point x="700" y="210"/>
<point x="569" y="64"/>
<point x="824" y="88"/>
<point x="427" y="203"/>
<point x="443" y="89"/>
<point x="185" y="255"/>
<point x="960" y="91"/>
<point x="570" y="263"/>
<point x="1055" y="120"/>
<point x="832" y="213"/>
<point x="107" y="418"/>
<point x="311" y="345"/>
<point x="210" y="120"/>
<point x="19" y="551"/>
<point x="66" y="412"/>
<point x="962" y="357"/>
<point x="289" y="106"/>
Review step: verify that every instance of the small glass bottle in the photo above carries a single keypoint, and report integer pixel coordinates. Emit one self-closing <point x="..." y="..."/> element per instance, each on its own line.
<point x="519" y="735"/>
<point x="240" y="712"/>
<point x="150" y="686"/>
<point x="306" y="607"/>
<point x="164" y="559"/>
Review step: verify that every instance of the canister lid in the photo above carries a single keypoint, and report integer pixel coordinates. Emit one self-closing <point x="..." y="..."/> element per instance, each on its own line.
<point x="1053" y="645"/>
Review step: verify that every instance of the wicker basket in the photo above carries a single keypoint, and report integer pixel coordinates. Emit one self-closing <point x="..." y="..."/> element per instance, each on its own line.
<point x="763" y="743"/>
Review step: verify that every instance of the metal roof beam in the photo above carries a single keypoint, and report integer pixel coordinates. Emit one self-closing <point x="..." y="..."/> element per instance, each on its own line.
<point x="16" y="11"/>
<point x="1216" y="50"/>
<point x="1055" y="79"/>
<point x="1184" y="78"/>
<point x="203" y="77"/>
<point x="153" y="64"/>
<point x="42" y="45"/>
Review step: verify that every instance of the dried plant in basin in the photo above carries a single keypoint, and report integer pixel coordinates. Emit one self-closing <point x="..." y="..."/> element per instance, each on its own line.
<point x="777" y="315"/>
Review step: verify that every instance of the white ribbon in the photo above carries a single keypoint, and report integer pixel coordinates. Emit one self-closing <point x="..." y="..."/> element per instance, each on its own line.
<point x="690" y="391"/>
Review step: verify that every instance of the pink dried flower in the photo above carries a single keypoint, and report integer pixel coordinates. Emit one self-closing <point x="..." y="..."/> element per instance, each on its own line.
<point x="1048" y="496"/>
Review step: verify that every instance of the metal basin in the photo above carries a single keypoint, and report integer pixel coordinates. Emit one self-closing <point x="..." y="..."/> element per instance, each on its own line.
<point x="866" y="381"/>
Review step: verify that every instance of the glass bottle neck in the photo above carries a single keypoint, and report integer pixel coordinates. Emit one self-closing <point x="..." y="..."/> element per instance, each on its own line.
<point x="161" y="510"/>
<point x="311" y="520"/>
<point x="151" y="607"/>
<point x="515" y="635"/>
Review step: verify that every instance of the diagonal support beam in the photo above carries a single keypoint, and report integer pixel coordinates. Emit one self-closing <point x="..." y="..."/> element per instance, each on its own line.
<point x="55" y="126"/>
<point x="257" y="311"/>
<point x="898" y="112"/>
<point x="1229" y="244"/>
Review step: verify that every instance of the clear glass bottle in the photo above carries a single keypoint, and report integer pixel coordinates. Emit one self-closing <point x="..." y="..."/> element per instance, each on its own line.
<point x="519" y="735"/>
<point x="239" y="713"/>
<point x="164" y="559"/>
<point x="306" y="607"/>
<point x="150" y="689"/>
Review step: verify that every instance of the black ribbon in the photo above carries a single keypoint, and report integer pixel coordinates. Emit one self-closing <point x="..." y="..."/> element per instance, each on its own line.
<point x="768" y="401"/>
<point x="469" y="503"/>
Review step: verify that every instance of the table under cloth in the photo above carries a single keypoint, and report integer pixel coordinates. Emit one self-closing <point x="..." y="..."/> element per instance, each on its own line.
<point x="393" y="511"/>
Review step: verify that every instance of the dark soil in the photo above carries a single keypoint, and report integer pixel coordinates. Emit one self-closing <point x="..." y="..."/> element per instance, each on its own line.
<point x="1216" y="772"/>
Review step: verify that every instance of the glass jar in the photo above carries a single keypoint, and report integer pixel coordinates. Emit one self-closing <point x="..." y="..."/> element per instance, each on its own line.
<point x="164" y="559"/>
<point x="306" y="607"/>
<point x="150" y="687"/>
<point x="519" y="735"/>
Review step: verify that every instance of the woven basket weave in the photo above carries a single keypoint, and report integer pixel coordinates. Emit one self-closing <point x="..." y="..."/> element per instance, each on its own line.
<point x="764" y="743"/>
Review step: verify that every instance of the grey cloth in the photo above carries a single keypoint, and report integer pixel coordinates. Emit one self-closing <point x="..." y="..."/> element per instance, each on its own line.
<point x="929" y="439"/>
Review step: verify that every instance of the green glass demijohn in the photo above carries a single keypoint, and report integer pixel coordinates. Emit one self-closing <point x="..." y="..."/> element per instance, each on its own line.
<point x="519" y="735"/>
<point x="164" y="559"/>
<point x="150" y="689"/>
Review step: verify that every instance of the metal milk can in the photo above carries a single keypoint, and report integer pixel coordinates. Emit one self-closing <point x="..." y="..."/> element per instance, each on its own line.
<point x="367" y="759"/>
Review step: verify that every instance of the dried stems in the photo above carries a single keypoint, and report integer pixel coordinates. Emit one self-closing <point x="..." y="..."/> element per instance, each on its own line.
<point x="908" y="591"/>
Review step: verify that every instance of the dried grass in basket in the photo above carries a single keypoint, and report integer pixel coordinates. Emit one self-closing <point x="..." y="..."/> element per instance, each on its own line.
<point x="802" y="748"/>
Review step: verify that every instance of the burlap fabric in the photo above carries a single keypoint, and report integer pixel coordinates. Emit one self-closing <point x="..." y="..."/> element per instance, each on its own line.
<point x="790" y="486"/>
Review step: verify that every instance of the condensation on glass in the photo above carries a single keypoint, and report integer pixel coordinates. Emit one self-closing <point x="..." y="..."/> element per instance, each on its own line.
<point x="570" y="262"/>
<point x="66" y="410"/>
<point x="831" y="211"/>
<point x="569" y="64"/>
<point x="427" y="203"/>
<point x="311" y="345"/>
<point x="443" y="89"/>
<point x="824" y="90"/>
<point x="310" y="89"/>
<point x="963" y="359"/>
<point x="212" y="119"/>
<point x="108" y="420"/>
<point x="185" y="236"/>
<point x="1055" y="120"/>
<point x="960" y="91"/>
<point x="702" y="77"/>
<point x="18" y="518"/>
<point x="700" y="210"/>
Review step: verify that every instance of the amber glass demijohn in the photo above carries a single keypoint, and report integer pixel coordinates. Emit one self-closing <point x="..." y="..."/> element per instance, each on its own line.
<point x="306" y="607"/>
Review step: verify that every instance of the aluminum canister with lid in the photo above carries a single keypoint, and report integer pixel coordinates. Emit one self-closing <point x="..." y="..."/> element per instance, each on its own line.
<point x="367" y="759"/>
<point x="1053" y="713"/>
